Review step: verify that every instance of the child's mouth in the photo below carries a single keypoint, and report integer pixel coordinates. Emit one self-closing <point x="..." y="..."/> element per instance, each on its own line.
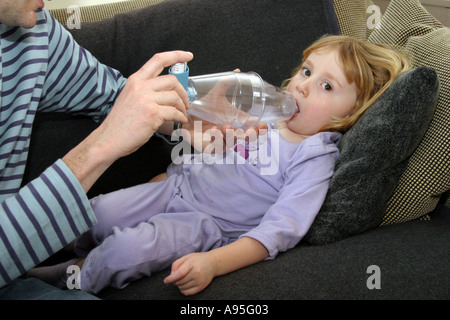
<point x="297" y="113"/>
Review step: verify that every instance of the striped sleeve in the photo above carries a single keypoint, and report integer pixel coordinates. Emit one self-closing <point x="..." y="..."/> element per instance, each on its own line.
<point x="43" y="217"/>
<point x="43" y="69"/>
<point x="94" y="89"/>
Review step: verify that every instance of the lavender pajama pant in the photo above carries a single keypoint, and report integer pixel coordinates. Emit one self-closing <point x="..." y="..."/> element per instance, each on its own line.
<point x="141" y="230"/>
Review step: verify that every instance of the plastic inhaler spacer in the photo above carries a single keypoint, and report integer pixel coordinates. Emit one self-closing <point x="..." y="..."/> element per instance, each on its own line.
<point x="182" y="76"/>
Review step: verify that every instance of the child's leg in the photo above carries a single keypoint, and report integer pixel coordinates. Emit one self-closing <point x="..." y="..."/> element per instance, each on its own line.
<point x="125" y="208"/>
<point x="131" y="253"/>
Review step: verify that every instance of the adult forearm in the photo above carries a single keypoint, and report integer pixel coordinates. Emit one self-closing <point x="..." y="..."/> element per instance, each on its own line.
<point x="144" y="104"/>
<point x="88" y="160"/>
<point x="46" y="214"/>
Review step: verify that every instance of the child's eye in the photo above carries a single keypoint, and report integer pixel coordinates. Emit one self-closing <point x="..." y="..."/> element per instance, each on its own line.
<point x="306" y="72"/>
<point x="326" y="86"/>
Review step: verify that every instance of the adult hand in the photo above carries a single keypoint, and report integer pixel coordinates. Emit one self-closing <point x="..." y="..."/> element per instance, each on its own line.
<point x="146" y="101"/>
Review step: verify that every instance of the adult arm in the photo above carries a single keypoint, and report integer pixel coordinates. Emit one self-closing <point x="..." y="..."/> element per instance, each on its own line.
<point x="43" y="216"/>
<point x="77" y="83"/>
<point x="145" y="103"/>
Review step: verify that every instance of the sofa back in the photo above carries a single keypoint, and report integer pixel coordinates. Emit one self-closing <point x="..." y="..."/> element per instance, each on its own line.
<point x="260" y="36"/>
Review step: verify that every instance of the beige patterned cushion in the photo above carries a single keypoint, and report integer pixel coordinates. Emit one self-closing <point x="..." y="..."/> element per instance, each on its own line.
<point x="352" y="17"/>
<point x="103" y="11"/>
<point x="406" y="24"/>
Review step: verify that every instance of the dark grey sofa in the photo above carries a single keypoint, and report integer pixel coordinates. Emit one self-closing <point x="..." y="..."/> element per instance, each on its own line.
<point x="266" y="36"/>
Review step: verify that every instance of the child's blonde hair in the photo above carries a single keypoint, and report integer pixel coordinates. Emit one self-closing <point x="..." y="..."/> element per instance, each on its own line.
<point x="373" y="68"/>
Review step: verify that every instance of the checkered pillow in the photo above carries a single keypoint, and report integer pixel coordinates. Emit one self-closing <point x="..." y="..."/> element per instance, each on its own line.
<point x="407" y="25"/>
<point x="374" y="154"/>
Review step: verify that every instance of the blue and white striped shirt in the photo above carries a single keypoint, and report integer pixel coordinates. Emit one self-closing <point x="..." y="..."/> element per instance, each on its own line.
<point x="43" y="69"/>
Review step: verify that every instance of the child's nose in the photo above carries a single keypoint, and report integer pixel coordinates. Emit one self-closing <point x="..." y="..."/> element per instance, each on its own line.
<point x="303" y="87"/>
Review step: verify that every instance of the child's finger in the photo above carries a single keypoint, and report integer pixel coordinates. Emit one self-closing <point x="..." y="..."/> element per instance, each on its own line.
<point x="173" y="277"/>
<point x="178" y="272"/>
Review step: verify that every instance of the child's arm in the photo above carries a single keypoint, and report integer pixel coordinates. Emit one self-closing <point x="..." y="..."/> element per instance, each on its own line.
<point x="194" y="272"/>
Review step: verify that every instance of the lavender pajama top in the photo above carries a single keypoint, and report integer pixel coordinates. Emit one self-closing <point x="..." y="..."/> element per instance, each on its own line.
<point x="271" y="191"/>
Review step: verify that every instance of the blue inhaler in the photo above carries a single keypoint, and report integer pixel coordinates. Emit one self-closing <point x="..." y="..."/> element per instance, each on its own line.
<point x="181" y="71"/>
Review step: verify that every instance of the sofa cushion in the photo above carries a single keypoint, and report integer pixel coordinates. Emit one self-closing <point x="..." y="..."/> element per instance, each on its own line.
<point x="408" y="26"/>
<point x="374" y="154"/>
<point x="427" y="175"/>
<point x="54" y="134"/>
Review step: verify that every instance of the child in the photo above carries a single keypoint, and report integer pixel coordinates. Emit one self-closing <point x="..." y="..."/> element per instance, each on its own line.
<point x="209" y="219"/>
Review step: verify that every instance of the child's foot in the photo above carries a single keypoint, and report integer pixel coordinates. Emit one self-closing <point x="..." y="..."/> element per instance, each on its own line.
<point x="55" y="275"/>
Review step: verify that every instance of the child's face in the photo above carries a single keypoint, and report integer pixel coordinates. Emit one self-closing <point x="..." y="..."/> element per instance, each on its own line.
<point x="322" y="92"/>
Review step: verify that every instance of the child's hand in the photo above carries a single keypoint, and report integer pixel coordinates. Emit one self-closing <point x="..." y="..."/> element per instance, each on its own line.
<point x="215" y="139"/>
<point x="191" y="273"/>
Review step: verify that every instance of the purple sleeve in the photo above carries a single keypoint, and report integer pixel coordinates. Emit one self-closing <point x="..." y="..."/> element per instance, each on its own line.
<point x="299" y="201"/>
